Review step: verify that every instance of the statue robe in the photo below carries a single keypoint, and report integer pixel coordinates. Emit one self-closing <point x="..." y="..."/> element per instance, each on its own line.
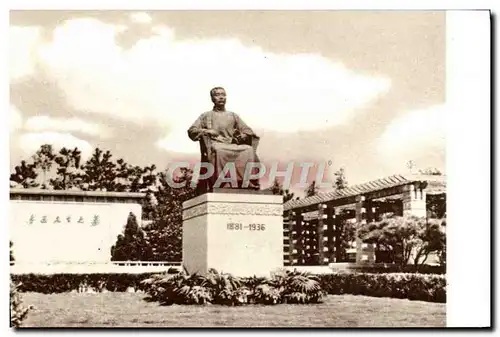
<point x="227" y="125"/>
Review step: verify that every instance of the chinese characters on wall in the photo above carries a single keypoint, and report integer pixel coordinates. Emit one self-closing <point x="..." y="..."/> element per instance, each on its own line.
<point x="44" y="219"/>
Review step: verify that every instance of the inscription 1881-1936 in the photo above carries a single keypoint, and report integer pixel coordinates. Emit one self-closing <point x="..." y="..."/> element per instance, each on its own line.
<point x="237" y="226"/>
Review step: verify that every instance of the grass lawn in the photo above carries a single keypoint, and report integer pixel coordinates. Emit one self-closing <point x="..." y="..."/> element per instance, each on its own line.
<point x="130" y="310"/>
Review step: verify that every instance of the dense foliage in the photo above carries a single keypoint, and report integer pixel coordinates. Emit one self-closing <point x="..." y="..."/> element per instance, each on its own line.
<point x="18" y="312"/>
<point x="225" y="289"/>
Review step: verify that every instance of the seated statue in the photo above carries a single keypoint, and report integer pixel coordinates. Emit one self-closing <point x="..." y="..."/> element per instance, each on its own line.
<point x="224" y="138"/>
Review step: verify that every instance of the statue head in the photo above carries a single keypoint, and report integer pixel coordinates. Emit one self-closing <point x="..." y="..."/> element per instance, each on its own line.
<point x="218" y="95"/>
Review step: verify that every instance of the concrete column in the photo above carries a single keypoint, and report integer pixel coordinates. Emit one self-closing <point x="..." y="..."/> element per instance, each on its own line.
<point x="332" y="234"/>
<point x="292" y="234"/>
<point x="287" y="237"/>
<point x="364" y="252"/>
<point x="360" y="221"/>
<point x="414" y="201"/>
<point x="298" y="228"/>
<point x="371" y="216"/>
<point x="321" y="230"/>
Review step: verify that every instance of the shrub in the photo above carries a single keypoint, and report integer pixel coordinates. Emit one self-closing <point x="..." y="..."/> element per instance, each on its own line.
<point x="225" y="289"/>
<point x="179" y="288"/>
<point x="18" y="313"/>
<point x="60" y="283"/>
<point x="297" y="287"/>
<point x="422" y="287"/>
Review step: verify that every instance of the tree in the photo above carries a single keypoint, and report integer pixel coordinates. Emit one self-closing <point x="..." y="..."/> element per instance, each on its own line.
<point x="410" y="165"/>
<point x="277" y="189"/>
<point x="131" y="245"/>
<point x="68" y="173"/>
<point x="43" y="160"/>
<point x="436" y="205"/>
<point x="340" y="180"/>
<point x="11" y="252"/>
<point x="149" y="178"/>
<point x="311" y="190"/>
<point x="405" y="238"/>
<point x="432" y="171"/>
<point x="287" y="196"/>
<point x="24" y="176"/>
<point x="442" y="253"/>
<point x="346" y="234"/>
<point x="164" y="233"/>
<point x="99" y="172"/>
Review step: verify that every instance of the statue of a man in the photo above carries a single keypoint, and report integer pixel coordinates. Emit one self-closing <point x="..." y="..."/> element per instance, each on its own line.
<point x="224" y="138"/>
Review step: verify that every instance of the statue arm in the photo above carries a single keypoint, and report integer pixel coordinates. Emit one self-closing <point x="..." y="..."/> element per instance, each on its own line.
<point x="197" y="130"/>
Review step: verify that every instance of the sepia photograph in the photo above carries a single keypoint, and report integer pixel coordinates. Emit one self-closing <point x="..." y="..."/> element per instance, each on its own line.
<point x="222" y="169"/>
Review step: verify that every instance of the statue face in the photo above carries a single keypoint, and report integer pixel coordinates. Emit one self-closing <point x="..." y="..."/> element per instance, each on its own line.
<point x="219" y="97"/>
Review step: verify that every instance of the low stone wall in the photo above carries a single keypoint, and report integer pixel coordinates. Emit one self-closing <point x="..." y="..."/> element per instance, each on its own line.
<point x="94" y="268"/>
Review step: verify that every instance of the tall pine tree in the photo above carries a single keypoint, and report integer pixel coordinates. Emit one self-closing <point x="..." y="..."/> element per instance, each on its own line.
<point x="24" y="176"/>
<point x="43" y="160"/>
<point x="312" y="189"/>
<point x="68" y="172"/>
<point x="277" y="189"/>
<point x="164" y="233"/>
<point x="132" y="244"/>
<point x="340" y="180"/>
<point x="99" y="172"/>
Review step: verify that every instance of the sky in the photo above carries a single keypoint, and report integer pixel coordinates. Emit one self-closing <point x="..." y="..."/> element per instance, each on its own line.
<point x="360" y="90"/>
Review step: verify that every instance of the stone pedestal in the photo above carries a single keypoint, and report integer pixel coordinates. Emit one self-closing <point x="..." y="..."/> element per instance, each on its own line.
<point x="240" y="234"/>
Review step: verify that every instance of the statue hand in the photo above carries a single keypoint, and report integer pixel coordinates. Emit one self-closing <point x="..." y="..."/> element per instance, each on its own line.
<point x="211" y="133"/>
<point x="241" y="138"/>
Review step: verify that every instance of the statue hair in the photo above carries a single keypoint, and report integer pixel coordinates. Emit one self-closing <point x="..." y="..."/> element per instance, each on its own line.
<point x="213" y="90"/>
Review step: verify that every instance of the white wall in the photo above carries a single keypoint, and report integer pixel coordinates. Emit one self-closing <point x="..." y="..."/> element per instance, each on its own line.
<point x="66" y="241"/>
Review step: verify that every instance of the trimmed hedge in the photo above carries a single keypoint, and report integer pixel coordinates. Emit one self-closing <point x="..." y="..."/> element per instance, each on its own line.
<point x="394" y="268"/>
<point x="421" y="287"/>
<point x="60" y="283"/>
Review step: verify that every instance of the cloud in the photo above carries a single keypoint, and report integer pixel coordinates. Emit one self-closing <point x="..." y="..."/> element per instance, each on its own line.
<point x="42" y="123"/>
<point x="166" y="81"/>
<point x="29" y="143"/>
<point x="15" y="119"/>
<point x="415" y="133"/>
<point x="140" y="17"/>
<point x="23" y="42"/>
<point x="178" y="141"/>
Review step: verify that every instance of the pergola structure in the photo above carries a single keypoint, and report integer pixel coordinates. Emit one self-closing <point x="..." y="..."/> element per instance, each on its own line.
<point x="311" y="225"/>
